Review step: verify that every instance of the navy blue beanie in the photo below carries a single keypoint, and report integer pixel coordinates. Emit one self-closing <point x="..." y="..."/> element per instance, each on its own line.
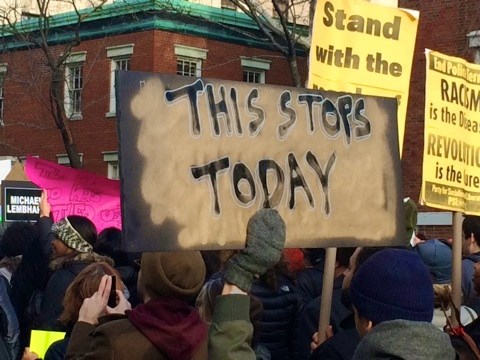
<point x="438" y="258"/>
<point x="393" y="284"/>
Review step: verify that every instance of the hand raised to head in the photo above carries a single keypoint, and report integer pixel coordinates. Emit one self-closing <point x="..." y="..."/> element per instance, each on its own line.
<point x="96" y="305"/>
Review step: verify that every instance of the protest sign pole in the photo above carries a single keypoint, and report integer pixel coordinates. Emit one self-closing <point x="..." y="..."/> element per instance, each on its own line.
<point x="456" y="263"/>
<point x="327" y="293"/>
<point x="328" y="275"/>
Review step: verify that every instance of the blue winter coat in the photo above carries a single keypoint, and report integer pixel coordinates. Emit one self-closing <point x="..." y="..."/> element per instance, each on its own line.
<point x="279" y="321"/>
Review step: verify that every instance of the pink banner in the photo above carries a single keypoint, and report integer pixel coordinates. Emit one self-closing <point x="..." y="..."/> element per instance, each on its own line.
<point x="77" y="192"/>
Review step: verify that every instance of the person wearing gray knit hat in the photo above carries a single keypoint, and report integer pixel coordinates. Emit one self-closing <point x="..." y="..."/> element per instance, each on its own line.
<point x="392" y="296"/>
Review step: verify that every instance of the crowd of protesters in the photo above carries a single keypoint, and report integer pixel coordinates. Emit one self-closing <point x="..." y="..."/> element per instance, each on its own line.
<point x="261" y="302"/>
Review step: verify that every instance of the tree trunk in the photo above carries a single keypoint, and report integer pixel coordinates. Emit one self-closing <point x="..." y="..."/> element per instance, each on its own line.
<point x="58" y="112"/>
<point x="292" y="63"/>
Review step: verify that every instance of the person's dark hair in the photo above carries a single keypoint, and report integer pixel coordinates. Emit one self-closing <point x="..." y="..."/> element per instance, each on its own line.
<point x="362" y="256"/>
<point x="16" y="239"/>
<point x="365" y="253"/>
<point x="212" y="261"/>
<point x="271" y="277"/>
<point x="471" y="225"/>
<point x="422" y="235"/>
<point x="112" y="236"/>
<point x="85" y="227"/>
<point x="343" y="255"/>
<point x="109" y="243"/>
<point x="315" y="256"/>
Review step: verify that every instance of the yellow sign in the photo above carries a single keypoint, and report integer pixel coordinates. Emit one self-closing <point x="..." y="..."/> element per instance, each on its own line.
<point x="451" y="157"/>
<point x="364" y="48"/>
<point x="41" y="340"/>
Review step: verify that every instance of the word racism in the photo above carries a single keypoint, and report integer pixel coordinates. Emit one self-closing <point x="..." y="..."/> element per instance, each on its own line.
<point x="460" y="95"/>
<point x="356" y="23"/>
<point x="343" y="118"/>
<point x="23" y="205"/>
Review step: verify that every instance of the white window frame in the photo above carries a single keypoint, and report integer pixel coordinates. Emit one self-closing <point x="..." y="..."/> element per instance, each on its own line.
<point x="261" y="75"/>
<point x="3" y="74"/>
<point x="111" y="158"/>
<point x="255" y="65"/>
<point x="474" y="42"/>
<point x="23" y="159"/>
<point x="62" y="159"/>
<point x="191" y="54"/>
<point x="116" y="54"/>
<point x="74" y="60"/>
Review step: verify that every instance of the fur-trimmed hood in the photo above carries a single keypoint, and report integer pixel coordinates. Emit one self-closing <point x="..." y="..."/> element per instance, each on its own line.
<point x="75" y="257"/>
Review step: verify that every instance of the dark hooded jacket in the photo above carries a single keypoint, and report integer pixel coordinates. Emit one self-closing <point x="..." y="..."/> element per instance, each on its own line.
<point x="309" y="317"/>
<point x="468" y="268"/>
<point x="65" y="270"/>
<point x="160" y="329"/>
<point x="279" y="322"/>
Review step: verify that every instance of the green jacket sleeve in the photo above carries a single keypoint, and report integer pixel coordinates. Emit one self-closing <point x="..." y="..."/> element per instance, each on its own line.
<point x="231" y="331"/>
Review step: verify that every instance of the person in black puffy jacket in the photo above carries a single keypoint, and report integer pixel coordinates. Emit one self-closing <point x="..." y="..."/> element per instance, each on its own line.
<point x="281" y="308"/>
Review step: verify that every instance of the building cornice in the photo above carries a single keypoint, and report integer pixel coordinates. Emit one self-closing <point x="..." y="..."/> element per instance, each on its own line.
<point x="123" y="17"/>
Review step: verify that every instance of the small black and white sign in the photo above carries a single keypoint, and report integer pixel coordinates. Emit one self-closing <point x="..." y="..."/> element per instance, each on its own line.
<point x="21" y="204"/>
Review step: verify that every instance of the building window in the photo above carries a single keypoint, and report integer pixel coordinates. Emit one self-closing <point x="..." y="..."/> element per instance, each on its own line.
<point x="189" y="67"/>
<point x="120" y="60"/>
<point x="254" y="69"/>
<point x="111" y="158"/>
<point x="62" y="159"/>
<point x="254" y="76"/>
<point x="113" y="171"/>
<point x="189" y="60"/>
<point x="74" y="85"/>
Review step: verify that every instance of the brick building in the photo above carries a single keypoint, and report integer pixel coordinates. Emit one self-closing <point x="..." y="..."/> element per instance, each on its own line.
<point x="141" y="37"/>
<point x="136" y="35"/>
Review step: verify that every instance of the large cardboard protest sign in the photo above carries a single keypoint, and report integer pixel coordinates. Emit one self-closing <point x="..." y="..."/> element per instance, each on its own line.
<point x="451" y="158"/>
<point x="199" y="156"/>
<point x="360" y="47"/>
<point x="77" y="192"/>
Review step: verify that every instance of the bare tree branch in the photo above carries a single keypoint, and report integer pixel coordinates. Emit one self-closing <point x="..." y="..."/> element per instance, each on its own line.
<point x="39" y="36"/>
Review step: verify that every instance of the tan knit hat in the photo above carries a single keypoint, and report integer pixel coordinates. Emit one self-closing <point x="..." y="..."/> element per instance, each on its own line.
<point x="173" y="274"/>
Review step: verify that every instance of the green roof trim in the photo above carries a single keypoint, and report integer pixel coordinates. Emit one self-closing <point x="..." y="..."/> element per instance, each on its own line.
<point x="140" y="15"/>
